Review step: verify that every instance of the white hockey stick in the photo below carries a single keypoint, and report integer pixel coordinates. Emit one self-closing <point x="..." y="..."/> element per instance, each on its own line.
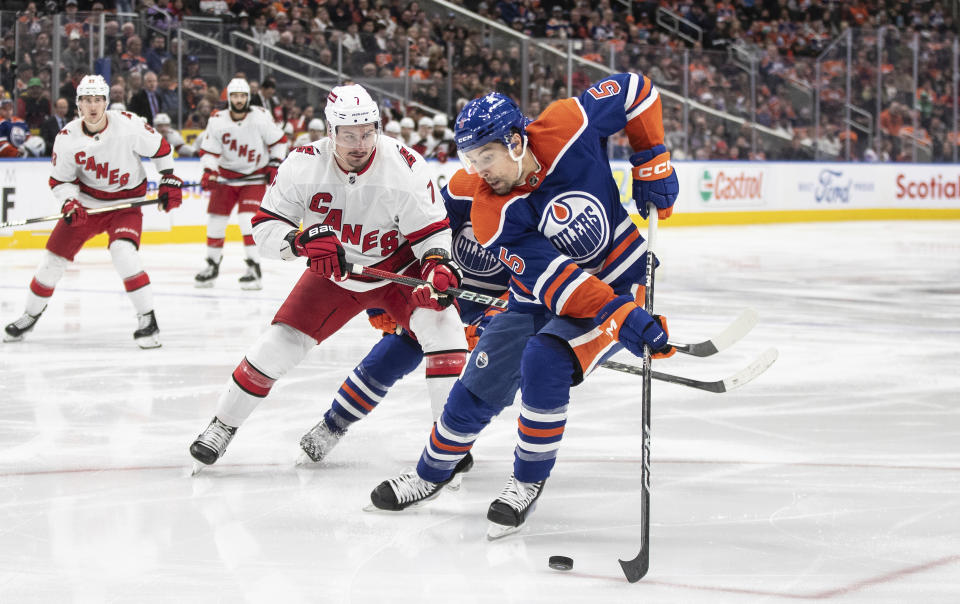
<point x="747" y="374"/>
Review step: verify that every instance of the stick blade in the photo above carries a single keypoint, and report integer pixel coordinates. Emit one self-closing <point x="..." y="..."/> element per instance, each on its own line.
<point x="636" y="569"/>
<point x="734" y="332"/>
<point x="751" y="371"/>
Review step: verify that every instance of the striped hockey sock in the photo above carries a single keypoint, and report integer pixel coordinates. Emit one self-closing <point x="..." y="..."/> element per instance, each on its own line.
<point x="359" y="394"/>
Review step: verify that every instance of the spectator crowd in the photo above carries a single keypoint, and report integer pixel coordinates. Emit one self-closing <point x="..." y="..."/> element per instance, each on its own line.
<point x="444" y="57"/>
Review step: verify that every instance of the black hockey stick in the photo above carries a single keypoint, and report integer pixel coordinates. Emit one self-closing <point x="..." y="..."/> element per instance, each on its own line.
<point x="637" y="568"/>
<point x="463" y="294"/>
<point x="731" y="334"/>
<point x="723" y="340"/>
<point x="747" y="374"/>
<point x="122" y="206"/>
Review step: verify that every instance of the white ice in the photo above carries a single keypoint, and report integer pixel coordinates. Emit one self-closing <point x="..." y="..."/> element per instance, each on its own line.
<point x="835" y="476"/>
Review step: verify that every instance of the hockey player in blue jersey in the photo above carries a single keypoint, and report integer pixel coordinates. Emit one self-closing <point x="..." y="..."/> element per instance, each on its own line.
<point x="546" y="204"/>
<point x="397" y="353"/>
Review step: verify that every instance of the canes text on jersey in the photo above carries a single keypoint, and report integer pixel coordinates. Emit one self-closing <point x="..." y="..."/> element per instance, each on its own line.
<point x="353" y="234"/>
<point x="101" y="171"/>
<point x="251" y="154"/>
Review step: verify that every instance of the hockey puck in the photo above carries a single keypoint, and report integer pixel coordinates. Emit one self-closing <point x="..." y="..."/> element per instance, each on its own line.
<point x="560" y="563"/>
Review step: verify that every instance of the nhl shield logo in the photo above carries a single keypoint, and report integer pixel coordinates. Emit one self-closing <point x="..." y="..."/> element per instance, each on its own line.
<point x="482" y="360"/>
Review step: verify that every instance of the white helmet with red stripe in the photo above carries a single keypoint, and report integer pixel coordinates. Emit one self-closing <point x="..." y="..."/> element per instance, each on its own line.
<point x="93" y="85"/>
<point x="351" y="105"/>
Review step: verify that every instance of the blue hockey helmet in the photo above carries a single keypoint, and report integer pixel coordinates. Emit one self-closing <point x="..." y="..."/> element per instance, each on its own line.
<point x="489" y="118"/>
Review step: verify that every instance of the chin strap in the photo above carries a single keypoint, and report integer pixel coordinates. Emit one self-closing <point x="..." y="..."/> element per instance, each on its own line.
<point x="519" y="160"/>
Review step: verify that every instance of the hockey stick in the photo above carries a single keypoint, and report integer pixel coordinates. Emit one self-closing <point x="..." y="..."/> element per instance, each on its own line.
<point x="637" y="568"/>
<point x="733" y="332"/>
<point x="723" y="340"/>
<point x="747" y="374"/>
<point x="463" y="294"/>
<point x="122" y="206"/>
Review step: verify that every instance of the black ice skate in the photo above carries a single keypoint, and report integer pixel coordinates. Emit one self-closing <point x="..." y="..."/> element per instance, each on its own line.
<point x="212" y="443"/>
<point x="317" y="443"/>
<point x="208" y="275"/>
<point x="14" y="331"/>
<point x="251" y="280"/>
<point x="148" y="333"/>
<point x="509" y="511"/>
<point x="409" y="490"/>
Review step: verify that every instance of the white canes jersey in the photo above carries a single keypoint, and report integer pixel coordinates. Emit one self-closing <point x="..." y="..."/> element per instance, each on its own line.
<point x="239" y="150"/>
<point x="387" y="215"/>
<point x="105" y="168"/>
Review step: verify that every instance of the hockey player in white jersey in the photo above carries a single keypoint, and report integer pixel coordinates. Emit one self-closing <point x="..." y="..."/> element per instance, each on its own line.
<point x="364" y="199"/>
<point x="97" y="164"/>
<point x="165" y="127"/>
<point x="241" y="150"/>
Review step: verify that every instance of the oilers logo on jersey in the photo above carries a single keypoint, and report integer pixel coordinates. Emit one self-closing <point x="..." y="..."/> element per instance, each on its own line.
<point x="576" y="224"/>
<point x="471" y="255"/>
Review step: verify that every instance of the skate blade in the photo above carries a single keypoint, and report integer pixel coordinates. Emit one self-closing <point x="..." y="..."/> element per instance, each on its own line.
<point x="250" y="286"/>
<point x="9" y="338"/>
<point x="455" y="483"/>
<point x="304" y="460"/>
<point x="499" y="531"/>
<point x="203" y="284"/>
<point x="197" y="468"/>
<point x="149" y="342"/>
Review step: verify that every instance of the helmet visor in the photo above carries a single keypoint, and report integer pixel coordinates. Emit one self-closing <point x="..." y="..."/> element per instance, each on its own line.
<point x="480" y="159"/>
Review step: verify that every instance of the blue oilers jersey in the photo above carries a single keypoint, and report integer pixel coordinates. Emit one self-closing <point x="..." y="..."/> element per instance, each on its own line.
<point x="482" y="272"/>
<point x="568" y="242"/>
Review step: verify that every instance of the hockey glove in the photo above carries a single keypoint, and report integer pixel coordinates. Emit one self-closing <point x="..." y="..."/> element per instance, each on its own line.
<point x="632" y="326"/>
<point x="270" y="171"/>
<point x="381" y="319"/>
<point x="74" y="214"/>
<point x="321" y="246"/>
<point x="440" y="273"/>
<point x="654" y="181"/>
<point x="209" y="179"/>
<point x="170" y="195"/>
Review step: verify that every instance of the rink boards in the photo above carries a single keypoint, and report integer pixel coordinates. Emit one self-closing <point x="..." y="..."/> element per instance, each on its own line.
<point x="711" y="193"/>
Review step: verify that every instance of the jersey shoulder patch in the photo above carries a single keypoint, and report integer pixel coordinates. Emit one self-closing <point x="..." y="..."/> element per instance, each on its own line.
<point x="554" y="130"/>
<point x="308" y="149"/>
<point x="487" y="212"/>
<point x="409" y="156"/>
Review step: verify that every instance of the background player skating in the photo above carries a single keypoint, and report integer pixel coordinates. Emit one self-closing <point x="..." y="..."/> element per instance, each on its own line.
<point x="545" y="202"/>
<point x="241" y="150"/>
<point x="96" y="164"/>
<point x="366" y="199"/>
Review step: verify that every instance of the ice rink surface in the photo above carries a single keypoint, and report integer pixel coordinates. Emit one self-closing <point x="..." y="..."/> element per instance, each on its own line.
<point x="835" y="476"/>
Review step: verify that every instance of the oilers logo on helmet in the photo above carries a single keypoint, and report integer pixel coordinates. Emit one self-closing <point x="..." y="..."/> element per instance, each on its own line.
<point x="471" y="255"/>
<point x="575" y="223"/>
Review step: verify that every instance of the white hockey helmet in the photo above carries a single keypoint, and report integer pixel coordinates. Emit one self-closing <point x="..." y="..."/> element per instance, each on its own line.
<point x="407" y="122"/>
<point x="242" y="86"/>
<point x="35" y="146"/>
<point x="161" y="119"/>
<point x="93" y="85"/>
<point x="425" y="122"/>
<point x="439" y="121"/>
<point x="317" y="124"/>
<point x="351" y="105"/>
<point x="392" y="128"/>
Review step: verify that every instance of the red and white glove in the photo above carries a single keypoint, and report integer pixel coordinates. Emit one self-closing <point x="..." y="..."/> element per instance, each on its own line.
<point x="441" y="274"/>
<point x="270" y="170"/>
<point x="74" y="214"/>
<point x="209" y="179"/>
<point x="170" y="194"/>
<point x="321" y="245"/>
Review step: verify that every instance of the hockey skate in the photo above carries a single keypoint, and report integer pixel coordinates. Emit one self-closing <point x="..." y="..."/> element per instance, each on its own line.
<point x="14" y="331"/>
<point x="317" y="443"/>
<point x="208" y="275"/>
<point x="409" y="490"/>
<point x="509" y="511"/>
<point x="251" y="280"/>
<point x="148" y="333"/>
<point x="211" y="444"/>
